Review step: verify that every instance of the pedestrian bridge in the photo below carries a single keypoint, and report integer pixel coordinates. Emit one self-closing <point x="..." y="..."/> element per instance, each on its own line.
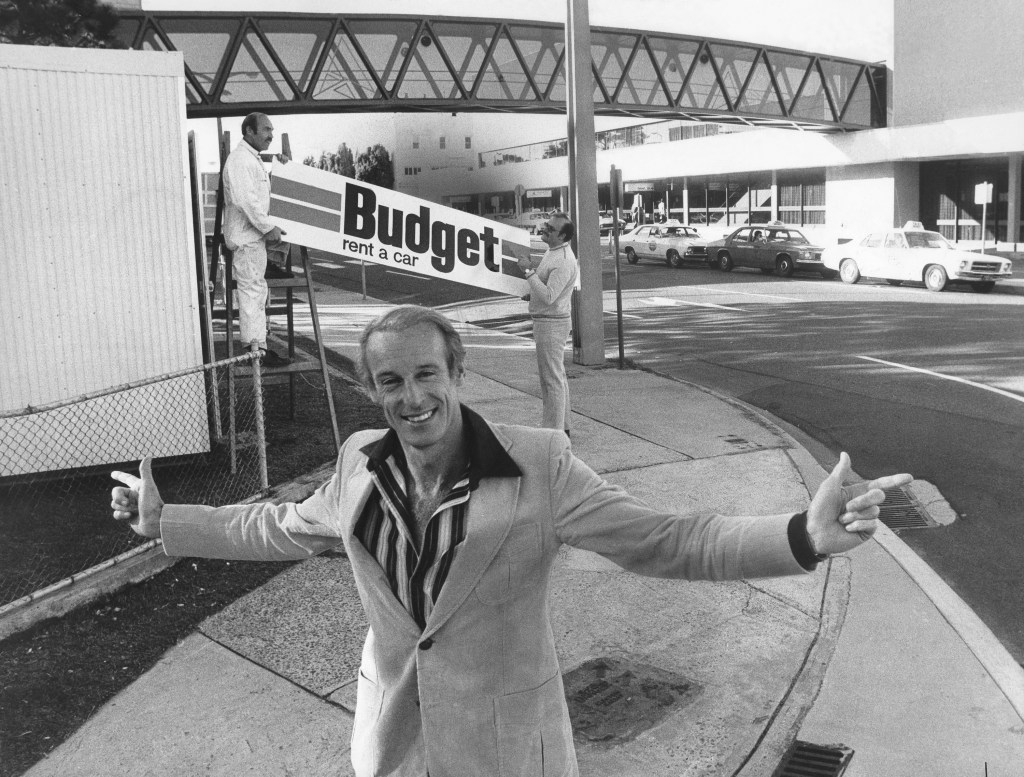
<point x="337" y="63"/>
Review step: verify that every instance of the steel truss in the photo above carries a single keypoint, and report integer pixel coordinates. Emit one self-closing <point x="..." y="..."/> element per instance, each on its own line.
<point x="327" y="63"/>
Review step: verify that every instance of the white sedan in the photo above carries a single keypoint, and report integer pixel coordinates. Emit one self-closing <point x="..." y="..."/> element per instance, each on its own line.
<point x="669" y="242"/>
<point x="914" y="254"/>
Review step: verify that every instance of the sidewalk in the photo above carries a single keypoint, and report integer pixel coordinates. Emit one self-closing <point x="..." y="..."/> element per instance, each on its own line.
<point x="872" y="652"/>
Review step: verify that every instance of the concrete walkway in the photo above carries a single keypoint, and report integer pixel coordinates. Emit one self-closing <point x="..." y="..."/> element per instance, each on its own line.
<point x="872" y="654"/>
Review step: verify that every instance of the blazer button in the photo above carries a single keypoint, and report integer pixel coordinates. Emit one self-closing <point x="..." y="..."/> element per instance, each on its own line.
<point x="426" y="644"/>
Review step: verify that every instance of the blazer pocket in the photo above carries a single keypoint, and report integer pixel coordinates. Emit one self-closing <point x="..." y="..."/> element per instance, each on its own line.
<point x="367" y="747"/>
<point x="534" y="735"/>
<point x="518" y="554"/>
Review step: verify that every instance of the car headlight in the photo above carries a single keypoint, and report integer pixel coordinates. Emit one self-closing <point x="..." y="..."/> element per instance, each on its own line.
<point x="964" y="264"/>
<point x="1006" y="267"/>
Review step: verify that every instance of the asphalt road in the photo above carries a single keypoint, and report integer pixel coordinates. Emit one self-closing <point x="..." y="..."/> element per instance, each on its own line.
<point x="901" y="378"/>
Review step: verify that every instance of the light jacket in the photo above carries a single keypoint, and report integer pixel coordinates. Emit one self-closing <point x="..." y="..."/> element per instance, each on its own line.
<point x="479" y="691"/>
<point x="246" y="197"/>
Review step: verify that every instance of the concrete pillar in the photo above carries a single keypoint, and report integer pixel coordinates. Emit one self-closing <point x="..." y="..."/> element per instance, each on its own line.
<point x="588" y="312"/>
<point x="686" y="200"/>
<point x="1013" y="203"/>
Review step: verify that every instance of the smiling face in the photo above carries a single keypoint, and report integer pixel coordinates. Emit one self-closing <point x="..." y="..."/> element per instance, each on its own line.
<point x="412" y="384"/>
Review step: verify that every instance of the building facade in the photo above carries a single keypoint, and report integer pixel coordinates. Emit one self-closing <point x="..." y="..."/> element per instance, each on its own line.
<point x="955" y="121"/>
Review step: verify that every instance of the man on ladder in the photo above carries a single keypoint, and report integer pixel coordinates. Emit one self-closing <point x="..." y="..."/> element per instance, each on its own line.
<point x="248" y="231"/>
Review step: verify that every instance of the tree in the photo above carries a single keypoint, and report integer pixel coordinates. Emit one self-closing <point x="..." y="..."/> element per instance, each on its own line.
<point x="76" y="23"/>
<point x="340" y="161"/>
<point x="375" y="166"/>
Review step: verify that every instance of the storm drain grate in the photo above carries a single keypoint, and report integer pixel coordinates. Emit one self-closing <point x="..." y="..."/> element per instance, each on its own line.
<point x="901" y="510"/>
<point x="808" y="760"/>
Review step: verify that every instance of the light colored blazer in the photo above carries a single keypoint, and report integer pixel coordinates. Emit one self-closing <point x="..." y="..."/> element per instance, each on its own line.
<point x="479" y="691"/>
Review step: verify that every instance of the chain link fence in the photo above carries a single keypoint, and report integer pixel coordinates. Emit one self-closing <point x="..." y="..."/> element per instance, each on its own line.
<point x="203" y="426"/>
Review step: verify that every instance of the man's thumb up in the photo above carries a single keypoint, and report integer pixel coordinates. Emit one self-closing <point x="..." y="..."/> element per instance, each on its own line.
<point x="138" y="500"/>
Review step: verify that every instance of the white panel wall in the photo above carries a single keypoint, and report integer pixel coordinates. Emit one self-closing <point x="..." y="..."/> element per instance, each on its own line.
<point x="860" y="198"/>
<point x="99" y="284"/>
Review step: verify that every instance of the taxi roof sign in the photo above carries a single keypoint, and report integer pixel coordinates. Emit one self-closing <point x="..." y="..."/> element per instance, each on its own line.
<point x="913" y="225"/>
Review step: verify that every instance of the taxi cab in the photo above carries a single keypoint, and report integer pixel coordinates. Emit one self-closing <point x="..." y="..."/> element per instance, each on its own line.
<point x="913" y="253"/>
<point x="671" y="242"/>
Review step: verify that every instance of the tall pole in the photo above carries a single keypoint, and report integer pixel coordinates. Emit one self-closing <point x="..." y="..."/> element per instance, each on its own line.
<point x="588" y="312"/>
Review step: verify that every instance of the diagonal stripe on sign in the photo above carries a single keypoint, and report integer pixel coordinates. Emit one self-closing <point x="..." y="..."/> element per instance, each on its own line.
<point x="292" y="211"/>
<point x="312" y="195"/>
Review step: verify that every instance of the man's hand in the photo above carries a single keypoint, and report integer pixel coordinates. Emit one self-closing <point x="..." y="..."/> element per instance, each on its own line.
<point x="525" y="263"/>
<point x="841" y="517"/>
<point x="283" y="158"/>
<point x="140" y="503"/>
<point x="274" y="236"/>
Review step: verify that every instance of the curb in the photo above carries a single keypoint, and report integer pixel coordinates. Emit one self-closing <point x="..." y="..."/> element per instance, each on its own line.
<point x="1005" y="672"/>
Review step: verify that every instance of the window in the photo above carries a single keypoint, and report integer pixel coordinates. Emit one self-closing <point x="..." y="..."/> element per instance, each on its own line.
<point x="469" y="142"/>
<point x="442" y="142"/>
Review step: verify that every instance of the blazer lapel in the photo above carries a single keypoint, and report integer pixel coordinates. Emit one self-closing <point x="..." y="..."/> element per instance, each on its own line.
<point x="492" y="507"/>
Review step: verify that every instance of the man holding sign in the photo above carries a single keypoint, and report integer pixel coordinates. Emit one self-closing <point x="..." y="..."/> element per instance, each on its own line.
<point x="552" y="280"/>
<point x="248" y="231"/>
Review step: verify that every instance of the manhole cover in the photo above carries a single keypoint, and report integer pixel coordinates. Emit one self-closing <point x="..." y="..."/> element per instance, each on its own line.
<point x="612" y="700"/>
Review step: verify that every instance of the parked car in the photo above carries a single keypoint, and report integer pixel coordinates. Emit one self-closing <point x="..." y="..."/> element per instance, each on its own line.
<point x="914" y="253"/>
<point x="606" y="219"/>
<point x="671" y="242"/>
<point x="772" y="247"/>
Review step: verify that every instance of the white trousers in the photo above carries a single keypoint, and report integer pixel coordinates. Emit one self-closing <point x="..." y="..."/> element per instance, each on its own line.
<point x="550" y="335"/>
<point x="249" y="263"/>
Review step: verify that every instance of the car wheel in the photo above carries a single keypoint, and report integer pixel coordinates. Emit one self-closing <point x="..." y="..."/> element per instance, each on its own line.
<point x="725" y="262"/>
<point x="984" y="287"/>
<point x="674" y="259"/>
<point x="784" y="266"/>
<point x="894" y="282"/>
<point x="631" y="256"/>
<point x="767" y="270"/>
<point x="849" y="271"/>
<point x="935" y="277"/>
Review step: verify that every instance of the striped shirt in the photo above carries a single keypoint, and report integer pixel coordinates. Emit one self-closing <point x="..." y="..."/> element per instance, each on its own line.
<point x="387" y="526"/>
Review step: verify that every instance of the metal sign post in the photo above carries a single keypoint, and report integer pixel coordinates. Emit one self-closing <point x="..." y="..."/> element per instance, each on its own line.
<point x="615" y="184"/>
<point x="982" y="197"/>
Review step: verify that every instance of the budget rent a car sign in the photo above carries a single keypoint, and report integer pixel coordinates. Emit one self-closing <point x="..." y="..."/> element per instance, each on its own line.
<point x="333" y="213"/>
